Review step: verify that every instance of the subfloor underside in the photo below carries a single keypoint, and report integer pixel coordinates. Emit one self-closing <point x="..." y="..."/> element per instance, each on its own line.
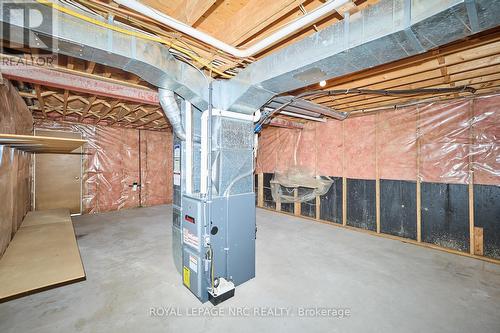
<point x="363" y="284"/>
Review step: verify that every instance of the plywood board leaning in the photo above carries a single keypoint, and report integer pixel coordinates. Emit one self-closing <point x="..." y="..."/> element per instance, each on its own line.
<point x="42" y="255"/>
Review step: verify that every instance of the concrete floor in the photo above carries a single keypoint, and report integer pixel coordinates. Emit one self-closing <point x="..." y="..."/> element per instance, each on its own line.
<point x="388" y="286"/>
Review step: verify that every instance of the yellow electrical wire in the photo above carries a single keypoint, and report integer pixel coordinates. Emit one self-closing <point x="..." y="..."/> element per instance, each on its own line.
<point x="70" y="12"/>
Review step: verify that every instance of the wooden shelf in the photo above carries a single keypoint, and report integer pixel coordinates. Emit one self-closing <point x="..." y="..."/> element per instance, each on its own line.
<point x="41" y="144"/>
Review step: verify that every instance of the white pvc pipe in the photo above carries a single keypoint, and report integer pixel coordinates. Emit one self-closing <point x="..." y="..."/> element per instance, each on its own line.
<point x="284" y="32"/>
<point x="204" y="153"/>
<point x="189" y="148"/>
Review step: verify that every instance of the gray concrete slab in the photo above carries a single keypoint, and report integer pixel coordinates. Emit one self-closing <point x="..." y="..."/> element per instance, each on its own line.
<point x="387" y="285"/>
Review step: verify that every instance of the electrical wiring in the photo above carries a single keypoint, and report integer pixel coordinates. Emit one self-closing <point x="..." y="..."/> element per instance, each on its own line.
<point x="319" y="93"/>
<point x="140" y="35"/>
<point x="210" y="256"/>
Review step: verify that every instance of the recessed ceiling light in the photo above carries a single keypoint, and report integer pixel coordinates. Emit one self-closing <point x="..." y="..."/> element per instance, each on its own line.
<point x="322" y="83"/>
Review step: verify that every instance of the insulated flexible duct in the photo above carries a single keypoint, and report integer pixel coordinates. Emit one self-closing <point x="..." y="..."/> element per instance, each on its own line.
<point x="171" y="110"/>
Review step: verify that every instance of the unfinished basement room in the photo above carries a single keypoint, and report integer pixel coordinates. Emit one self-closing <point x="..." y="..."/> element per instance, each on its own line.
<point x="250" y="166"/>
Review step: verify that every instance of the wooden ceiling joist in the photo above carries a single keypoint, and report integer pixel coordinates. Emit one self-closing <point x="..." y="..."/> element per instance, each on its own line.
<point x="40" y="99"/>
<point x="190" y="11"/>
<point x="252" y="18"/>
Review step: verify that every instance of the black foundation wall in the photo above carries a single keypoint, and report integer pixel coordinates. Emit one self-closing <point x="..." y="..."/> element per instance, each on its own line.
<point x="398" y="208"/>
<point x="331" y="202"/>
<point x="268" y="197"/>
<point x="307" y="208"/>
<point x="287" y="207"/>
<point x="361" y="197"/>
<point x="445" y="215"/>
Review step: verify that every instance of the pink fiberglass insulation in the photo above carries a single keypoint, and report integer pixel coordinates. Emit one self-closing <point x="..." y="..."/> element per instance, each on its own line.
<point x="486" y="133"/>
<point x="113" y="163"/>
<point x="267" y="150"/>
<point x="445" y="138"/>
<point x="287" y="143"/>
<point x="396" y="144"/>
<point x="306" y="150"/>
<point x="330" y="150"/>
<point x="156" y="167"/>
<point x="443" y="142"/>
<point x="359" y="156"/>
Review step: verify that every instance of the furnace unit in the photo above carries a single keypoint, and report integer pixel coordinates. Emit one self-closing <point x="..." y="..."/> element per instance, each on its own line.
<point x="214" y="203"/>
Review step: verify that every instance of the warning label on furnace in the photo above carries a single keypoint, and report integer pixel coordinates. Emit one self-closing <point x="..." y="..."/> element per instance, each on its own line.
<point x="193" y="263"/>
<point x="186" y="274"/>
<point x="190" y="238"/>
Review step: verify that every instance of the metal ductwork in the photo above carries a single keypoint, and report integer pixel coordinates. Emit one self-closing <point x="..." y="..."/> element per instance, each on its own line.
<point x="294" y="104"/>
<point x="297" y="107"/>
<point x="172" y="111"/>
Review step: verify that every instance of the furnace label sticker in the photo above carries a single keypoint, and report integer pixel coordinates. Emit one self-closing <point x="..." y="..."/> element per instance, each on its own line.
<point x="177" y="159"/>
<point x="190" y="239"/>
<point x="177" y="165"/>
<point x="186" y="276"/>
<point x="193" y="263"/>
<point x="177" y="179"/>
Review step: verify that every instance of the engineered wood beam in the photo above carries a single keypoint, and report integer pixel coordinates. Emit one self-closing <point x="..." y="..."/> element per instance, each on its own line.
<point x="149" y="121"/>
<point x="107" y="109"/>
<point x="88" y="107"/>
<point x="90" y="67"/>
<point x="65" y="102"/>
<point x="129" y="111"/>
<point x="41" y="101"/>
